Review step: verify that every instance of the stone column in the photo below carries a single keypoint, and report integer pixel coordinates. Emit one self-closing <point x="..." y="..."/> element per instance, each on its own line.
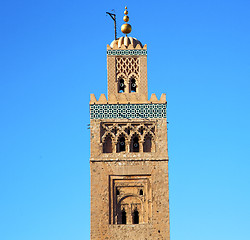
<point x="141" y="146"/>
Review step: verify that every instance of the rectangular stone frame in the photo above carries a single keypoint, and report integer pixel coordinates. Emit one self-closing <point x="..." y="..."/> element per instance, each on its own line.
<point x="130" y="181"/>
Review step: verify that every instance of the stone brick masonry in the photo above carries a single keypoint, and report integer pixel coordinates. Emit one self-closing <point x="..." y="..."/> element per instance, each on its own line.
<point x="129" y="154"/>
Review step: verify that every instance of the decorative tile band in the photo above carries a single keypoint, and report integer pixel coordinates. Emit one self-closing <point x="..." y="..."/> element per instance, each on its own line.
<point x="127" y="52"/>
<point x="127" y="111"/>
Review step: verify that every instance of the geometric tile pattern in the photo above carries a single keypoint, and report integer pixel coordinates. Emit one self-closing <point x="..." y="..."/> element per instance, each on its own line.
<point x="128" y="111"/>
<point x="127" y="52"/>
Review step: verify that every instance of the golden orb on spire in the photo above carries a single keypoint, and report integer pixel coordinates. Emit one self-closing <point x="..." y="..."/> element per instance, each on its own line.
<point x="125" y="18"/>
<point x="126" y="28"/>
<point x="126" y="11"/>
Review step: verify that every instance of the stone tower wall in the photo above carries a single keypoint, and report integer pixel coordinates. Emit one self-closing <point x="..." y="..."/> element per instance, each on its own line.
<point x="129" y="155"/>
<point x="157" y="226"/>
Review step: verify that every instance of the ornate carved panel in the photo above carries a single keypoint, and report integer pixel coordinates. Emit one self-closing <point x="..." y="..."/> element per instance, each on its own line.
<point x="127" y="65"/>
<point x="130" y="195"/>
<point x="132" y="133"/>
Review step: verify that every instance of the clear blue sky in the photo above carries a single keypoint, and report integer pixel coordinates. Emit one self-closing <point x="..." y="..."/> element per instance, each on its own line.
<point x="53" y="55"/>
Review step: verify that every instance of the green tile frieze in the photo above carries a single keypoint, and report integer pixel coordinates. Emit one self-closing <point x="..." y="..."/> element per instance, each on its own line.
<point x="128" y="111"/>
<point x="127" y="52"/>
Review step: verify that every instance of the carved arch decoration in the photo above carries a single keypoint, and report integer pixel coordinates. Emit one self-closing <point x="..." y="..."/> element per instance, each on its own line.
<point x="129" y="204"/>
<point x="126" y="69"/>
<point x="107" y="134"/>
<point x="121" y="76"/>
<point x="125" y="192"/>
<point x="130" y="131"/>
<point x="127" y="65"/>
<point x="133" y="75"/>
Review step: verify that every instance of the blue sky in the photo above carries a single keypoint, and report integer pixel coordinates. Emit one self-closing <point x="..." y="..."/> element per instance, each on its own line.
<point x="53" y="55"/>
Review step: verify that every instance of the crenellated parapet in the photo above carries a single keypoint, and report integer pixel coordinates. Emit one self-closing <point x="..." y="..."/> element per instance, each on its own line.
<point x="124" y="109"/>
<point x="126" y="99"/>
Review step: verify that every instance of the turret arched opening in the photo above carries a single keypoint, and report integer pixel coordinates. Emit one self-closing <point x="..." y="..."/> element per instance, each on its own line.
<point x="107" y="145"/>
<point x="134" y="145"/>
<point x="132" y="85"/>
<point x="121" y="144"/>
<point x="121" y="85"/>
<point x="148" y="144"/>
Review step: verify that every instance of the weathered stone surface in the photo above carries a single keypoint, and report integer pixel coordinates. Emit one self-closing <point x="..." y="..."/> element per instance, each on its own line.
<point x="129" y="158"/>
<point x="157" y="224"/>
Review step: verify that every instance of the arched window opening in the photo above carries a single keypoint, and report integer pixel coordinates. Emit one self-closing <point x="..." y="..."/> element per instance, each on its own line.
<point x="141" y="192"/>
<point x="135" y="217"/>
<point x="121" y="86"/>
<point x="124" y="217"/>
<point x="147" y="146"/>
<point x="135" y="144"/>
<point x="107" y="146"/>
<point x="132" y="85"/>
<point x="117" y="192"/>
<point x="121" y="145"/>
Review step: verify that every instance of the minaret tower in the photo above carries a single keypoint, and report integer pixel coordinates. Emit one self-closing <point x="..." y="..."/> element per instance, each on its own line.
<point x="129" y="154"/>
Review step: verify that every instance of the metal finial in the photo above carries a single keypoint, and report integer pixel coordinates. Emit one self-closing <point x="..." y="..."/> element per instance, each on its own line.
<point x="126" y="28"/>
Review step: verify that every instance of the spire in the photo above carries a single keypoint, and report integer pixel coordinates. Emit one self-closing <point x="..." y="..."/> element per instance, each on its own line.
<point x="126" y="28"/>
